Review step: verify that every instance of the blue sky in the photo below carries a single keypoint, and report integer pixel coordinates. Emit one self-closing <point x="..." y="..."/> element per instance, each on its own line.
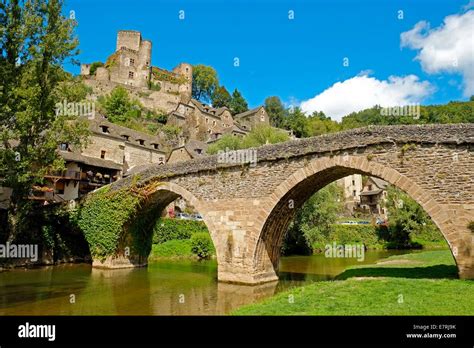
<point x="297" y="59"/>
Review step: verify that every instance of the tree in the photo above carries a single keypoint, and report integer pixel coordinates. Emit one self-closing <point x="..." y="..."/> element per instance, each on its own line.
<point x="264" y="134"/>
<point x="227" y="142"/>
<point x="260" y="135"/>
<point x="94" y="67"/>
<point x="118" y="107"/>
<point x="408" y="221"/>
<point x="276" y="111"/>
<point x="238" y="103"/>
<point x="298" y="123"/>
<point x="318" y="123"/>
<point x="35" y="40"/>
<point x="221" y="97"/>
<point x="205" y="81"/>
<point x="313" y="220"/>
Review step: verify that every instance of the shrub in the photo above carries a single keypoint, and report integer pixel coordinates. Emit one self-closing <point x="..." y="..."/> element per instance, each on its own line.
<point x="172" y="248"/>
<point x="94" y="66"/>
<point x="201" y="245"/>
<point x="169" y="229"/>
<point x="350" y="234"/>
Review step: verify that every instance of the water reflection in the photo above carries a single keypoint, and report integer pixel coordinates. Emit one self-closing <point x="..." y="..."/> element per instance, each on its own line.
<point x="162" y="288"/>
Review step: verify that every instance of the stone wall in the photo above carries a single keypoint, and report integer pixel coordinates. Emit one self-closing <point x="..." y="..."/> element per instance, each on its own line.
<point x="248" y="208"/>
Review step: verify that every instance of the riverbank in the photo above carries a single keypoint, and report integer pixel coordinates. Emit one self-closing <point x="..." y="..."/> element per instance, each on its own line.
<point x="415" y="284"/>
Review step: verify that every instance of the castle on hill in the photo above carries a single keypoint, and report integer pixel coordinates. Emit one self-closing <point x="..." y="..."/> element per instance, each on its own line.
<point x="166" y="92"/>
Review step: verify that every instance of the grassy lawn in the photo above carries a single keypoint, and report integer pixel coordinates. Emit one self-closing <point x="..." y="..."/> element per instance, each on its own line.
<point x="397" y="285"/>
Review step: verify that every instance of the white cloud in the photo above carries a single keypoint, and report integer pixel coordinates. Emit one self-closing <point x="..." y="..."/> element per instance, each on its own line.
<point x="447" y="48"/>
<point x="362" y="92"/>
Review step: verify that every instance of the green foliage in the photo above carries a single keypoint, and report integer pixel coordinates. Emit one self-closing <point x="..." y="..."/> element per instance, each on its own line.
<point x="298" y="123"/>
<point x="264" y="134"/>
<point x="205" y="81"/>
<point x="227" y="141"/>
<point x="35" y="40"/>
<point x="368" y="235"/>
<point x="408" y="221"/>
<point x="201" y="245"/>
<point x="453" y="112"/>
<point x="319" y="124"/>
<point x="221" y="97"/>
<point x="315" y="218"/>
<point x="260" y="135"/>
<point x="102" y="217"/>
<point x="276" y="111"/>
<point x="72" y="90"/>
<point x="238" y="103"/>
<point x="154" y="86"/>
<point x="118" y="107"/>
<point x="470" y="225"/>
<point x="94" y="66"/>
<point x="169" y="229"/>
<point x="172" y="248"/>
<point x="163" y="75"/>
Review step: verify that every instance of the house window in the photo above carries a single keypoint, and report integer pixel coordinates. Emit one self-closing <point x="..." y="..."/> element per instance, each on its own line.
<point x="105" y="129"/>
<point x="353" y="182"/>
<point x="207" y="120"/>
<point x="354" y="193"/>
<point x="132" y="61"/>
<point x="198" y="151"/>
<point x="102" y="154"/>
<point x="126" y="137"/>
<point x="141" y="141"/>
<point x="370" y="187"/>
<point x="382" y="210"/>
<point x="213" y="123"/>
<point x="262" y="117"/>
<point x="64" y="146"/>
<point x="130" y="74"/>
<point x="155" y="146"/>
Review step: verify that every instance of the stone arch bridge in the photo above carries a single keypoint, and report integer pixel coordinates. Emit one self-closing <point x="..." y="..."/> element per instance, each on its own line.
<point x="247" y="208"/>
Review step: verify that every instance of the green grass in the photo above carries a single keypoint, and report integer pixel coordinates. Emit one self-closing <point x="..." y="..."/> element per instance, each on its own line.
<point x="172" y="249"/>
<point x="397" y="285"/>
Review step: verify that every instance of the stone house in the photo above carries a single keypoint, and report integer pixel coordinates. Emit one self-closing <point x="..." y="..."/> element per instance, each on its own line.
<point x="110" y="152"/>
<point x="250" y="118"/>
<point x="192" y="149"/>
<point x="373" y="197"/>
<point x="352" y="187"/>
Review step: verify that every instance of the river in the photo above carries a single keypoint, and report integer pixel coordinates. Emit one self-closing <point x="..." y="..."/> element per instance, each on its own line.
<point x="178" y="287"/>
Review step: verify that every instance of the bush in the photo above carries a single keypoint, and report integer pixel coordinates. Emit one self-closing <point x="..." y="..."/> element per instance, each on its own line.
<point x="172" y="248"/>
<point x="201" y="245"/>
<point x="175" y="229"/>
<point x="350" y="234"/>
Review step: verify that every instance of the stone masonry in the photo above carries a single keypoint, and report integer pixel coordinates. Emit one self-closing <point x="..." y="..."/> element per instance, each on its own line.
<point x="248" y="208"/>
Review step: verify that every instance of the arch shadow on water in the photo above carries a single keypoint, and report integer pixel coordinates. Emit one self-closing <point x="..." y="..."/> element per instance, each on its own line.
<point x="433" y="272"/>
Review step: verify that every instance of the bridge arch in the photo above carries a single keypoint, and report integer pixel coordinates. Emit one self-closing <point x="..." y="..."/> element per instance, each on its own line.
<point x="302" y="184"/>
<point x="133" y="248"/>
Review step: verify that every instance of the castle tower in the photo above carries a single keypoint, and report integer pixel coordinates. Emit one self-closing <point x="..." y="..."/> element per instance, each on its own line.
<point x="130" y="39"/>
<point x="185" y="90"/>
